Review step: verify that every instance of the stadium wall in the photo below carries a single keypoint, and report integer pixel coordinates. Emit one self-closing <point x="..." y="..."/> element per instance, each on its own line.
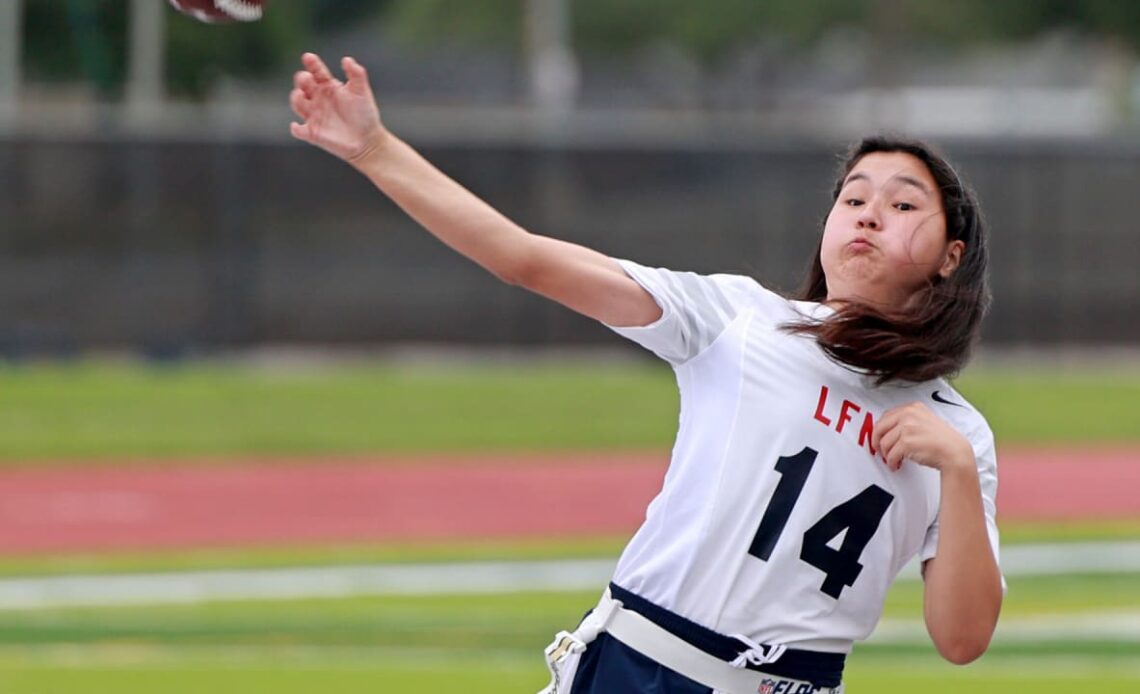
<point x="179" y="247"/>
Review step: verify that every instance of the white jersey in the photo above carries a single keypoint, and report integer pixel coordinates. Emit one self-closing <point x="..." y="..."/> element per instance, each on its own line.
<point x="777" y="520"/>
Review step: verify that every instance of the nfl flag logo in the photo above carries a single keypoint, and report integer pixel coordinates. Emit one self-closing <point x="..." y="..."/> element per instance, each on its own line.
<point x="767" y="687"/>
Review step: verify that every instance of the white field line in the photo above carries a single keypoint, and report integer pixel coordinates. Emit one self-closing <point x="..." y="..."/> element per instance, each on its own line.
<point x="447" y="578"/>
<point x="1080" y="626"/>
<point x="298" y="583"/>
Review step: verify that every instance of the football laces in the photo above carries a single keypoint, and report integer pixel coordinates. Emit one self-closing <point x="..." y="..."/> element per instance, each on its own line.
<point x="239" y="9"/>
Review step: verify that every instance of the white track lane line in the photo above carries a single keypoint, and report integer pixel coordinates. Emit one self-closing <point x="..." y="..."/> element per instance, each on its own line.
<point x="190" y="587"/>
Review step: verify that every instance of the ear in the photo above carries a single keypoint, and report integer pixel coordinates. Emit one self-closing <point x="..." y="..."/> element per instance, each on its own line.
<point x="954" y="253"/>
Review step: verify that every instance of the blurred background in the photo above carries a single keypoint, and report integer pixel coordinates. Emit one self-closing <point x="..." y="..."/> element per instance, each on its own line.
<point x="160" y="206"/>
<point x="182" y="287"/>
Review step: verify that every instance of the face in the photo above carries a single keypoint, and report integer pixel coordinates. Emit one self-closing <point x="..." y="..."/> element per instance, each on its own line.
<point x="885" y="237"/>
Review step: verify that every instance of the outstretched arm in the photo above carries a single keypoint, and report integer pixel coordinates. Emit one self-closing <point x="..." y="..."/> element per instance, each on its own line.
<point x="963" y="594"/>
<point x="343" y="119"/>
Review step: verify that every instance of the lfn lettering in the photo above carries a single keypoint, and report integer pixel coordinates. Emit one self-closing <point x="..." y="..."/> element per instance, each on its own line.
<point x="847" y="411"/>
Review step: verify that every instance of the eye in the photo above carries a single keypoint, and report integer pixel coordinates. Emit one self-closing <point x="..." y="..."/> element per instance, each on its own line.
<point x="904" y="206"/>
<point x="853" y="202"/>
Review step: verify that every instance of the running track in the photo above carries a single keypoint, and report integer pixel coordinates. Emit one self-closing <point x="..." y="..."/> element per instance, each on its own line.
<point x="276" y="502"/>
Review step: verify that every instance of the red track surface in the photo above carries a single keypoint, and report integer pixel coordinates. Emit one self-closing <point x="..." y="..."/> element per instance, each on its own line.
<point x="353" y="500"/>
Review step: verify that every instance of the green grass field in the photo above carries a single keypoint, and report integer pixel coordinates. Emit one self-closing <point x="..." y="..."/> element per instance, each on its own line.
<point x="476" y="644"/>
<point x="487" y="644"/>
<point x="91" y="410"/>
<point x="480" y="675"/>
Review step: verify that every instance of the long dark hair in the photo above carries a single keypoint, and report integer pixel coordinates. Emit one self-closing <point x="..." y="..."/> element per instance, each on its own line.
<point x="933" y="335"/>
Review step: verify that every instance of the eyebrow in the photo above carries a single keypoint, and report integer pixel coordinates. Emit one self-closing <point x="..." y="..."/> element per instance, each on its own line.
<point x="904" y="178"/>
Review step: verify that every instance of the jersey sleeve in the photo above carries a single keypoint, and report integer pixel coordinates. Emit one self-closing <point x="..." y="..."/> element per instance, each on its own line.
<point x="985" y="453"/>
<point x="695" y="309"/>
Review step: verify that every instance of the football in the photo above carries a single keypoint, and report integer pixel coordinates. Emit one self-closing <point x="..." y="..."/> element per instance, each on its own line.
<point x="219" y="11"/>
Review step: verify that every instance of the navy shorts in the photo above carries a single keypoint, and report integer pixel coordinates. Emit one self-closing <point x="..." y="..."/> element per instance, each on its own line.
<point x="609" y="666"/>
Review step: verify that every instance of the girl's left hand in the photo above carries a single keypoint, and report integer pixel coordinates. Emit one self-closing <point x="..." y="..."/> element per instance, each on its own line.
<point x="914" y="432"/>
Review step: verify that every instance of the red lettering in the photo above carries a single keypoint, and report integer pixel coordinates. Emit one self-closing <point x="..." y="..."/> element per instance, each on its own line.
<point x="819" y="407"/>
<point x="867" y="432"/>
<point x="845" y="414"/>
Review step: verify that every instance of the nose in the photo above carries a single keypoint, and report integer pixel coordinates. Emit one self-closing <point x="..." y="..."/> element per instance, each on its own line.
<point x="869" y="218"/>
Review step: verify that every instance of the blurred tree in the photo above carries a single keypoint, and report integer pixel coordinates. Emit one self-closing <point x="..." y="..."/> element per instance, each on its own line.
<point x="199" y="54"/>
<point x="333" y="14"/>
<point x="58" y="33"/>
<point x="484" y="22"/>
<point x="710" y="28"/>
<point x="70" y="40"/>
<point x="972" y="21"/>
<point x="707" y="29"/>
<point x="73" y="40"/>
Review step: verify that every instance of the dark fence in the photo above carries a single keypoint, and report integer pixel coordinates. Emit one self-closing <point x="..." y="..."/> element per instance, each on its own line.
<point x="175" y="247"/>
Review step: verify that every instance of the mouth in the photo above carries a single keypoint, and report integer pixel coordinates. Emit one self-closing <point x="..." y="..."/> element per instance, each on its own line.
<point x="860" y="243"/>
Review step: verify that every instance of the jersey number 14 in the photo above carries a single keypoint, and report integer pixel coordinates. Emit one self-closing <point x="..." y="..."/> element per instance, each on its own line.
<point x="859" y="516"/>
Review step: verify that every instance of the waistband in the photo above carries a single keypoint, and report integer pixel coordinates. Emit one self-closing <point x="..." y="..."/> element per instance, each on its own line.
<point x="819" y="668"/>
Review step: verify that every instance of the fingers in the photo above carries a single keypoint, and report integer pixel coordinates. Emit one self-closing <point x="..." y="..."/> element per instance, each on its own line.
<point x="890" y="436"/>
<point x="357" y="76"/>
<point x="300" y="103"/>
<point x="317" y="68"/>
<point x="886" y="438"/>
<point x="303" y="80"/>
<point x="916" y="434"/>
<point x="885" y="423"/>
<point x="892" y="449"/>
<point x="317" y="75"/>
<point x="300" y="131"/>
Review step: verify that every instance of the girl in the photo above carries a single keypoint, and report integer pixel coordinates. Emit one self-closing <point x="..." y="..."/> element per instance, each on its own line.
<point x="819" y="447"/>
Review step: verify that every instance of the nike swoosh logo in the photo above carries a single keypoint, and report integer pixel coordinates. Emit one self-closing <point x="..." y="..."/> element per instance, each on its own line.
<point x="937" y="397"/>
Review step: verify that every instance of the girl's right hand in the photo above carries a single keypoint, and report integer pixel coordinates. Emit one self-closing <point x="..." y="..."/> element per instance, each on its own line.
<point x="341" y="118"/>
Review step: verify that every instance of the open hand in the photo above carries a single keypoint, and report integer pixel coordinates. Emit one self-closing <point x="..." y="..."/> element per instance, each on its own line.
<point x="913" y="432"/>
<point x="341" y="118"/>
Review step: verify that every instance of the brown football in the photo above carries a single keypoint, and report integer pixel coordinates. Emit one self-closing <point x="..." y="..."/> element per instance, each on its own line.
<point x="219" y="11"/>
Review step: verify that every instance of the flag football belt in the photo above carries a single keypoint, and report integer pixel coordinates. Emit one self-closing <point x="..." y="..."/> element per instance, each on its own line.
<point x="661" y="645"/>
